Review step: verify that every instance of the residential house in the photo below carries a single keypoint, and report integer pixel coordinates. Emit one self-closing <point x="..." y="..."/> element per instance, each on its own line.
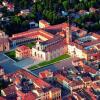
<point x="87" y="81"/>
<point x="2" y="98"/>
<point x="43" y="24"/>
<point x="9" y="92"/>
<point x="92" y="9"/>
<point x="65" y="82"/>
<point x="47" y="74"/>
<point x="76" y="85"/>
<point x="29" y="85"/>
<point x="10" y="7"/>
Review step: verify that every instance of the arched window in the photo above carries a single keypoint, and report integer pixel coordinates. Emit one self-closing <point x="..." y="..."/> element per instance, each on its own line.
<point x="35" y="53"/>
<point x="38" y="48"/>
<point x="41" y="55"/>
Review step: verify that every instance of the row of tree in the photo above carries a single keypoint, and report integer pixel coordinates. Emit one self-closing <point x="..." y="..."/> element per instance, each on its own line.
<point x="91" y="21"/>
<point x="49" y="10"/>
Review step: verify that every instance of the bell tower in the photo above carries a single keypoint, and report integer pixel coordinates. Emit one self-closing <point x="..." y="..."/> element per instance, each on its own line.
<point x="68" y="34"/>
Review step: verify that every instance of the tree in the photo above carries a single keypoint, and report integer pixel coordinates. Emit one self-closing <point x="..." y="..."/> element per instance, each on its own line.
<point x="23" y="4"/>
<point x="31" y="16"/>
<point x="16" y="19"/>
<point x="65" y="5"/>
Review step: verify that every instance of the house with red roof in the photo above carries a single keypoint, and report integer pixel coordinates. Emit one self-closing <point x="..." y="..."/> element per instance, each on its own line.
<point x="92" y="9"/>
<point x="76" y="85"/>
<point x="23" y="52"/>
<point x="10" y="7"/>
<point x="43" y="24"/>
<point x="85" y="47"/>
<point x="9" y="92"/>
<point x="62" y="80"/>
<point x="46" y="74"/>
<point x="96" y="87"/>
<point x="87" y="81"/>
<point x="39" y="90"/>
<point x="2" y="98"/>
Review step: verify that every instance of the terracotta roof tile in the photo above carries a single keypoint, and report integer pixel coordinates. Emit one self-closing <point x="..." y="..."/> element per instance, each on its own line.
<point x="35" y="79"/>
<point x="86" y="79"/>
<point x="9" y="90"/>
<point x="1" y="98"/>
<point x="55" y="46"/>
<point x="22" y="48"/>
<point x="29" y="96"/>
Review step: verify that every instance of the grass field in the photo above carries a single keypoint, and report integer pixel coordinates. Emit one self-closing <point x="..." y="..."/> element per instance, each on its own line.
<point x="45" y="63"/>
<point x="12" y="55"/>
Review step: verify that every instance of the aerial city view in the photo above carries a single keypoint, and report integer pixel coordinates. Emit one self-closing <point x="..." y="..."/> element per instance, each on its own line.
<point x="49" y="49"/>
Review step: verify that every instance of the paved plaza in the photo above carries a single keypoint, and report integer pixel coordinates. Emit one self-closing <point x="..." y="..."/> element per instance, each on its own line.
<point x="11" y="66"/>
<point x="8" y="64"/>
<point x="26" y="63"/>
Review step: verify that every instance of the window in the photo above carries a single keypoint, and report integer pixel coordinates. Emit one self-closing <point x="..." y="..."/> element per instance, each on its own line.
<point x="41" y="55"/>
<point x="35" y="53"/>
<point x="38" y="48"/>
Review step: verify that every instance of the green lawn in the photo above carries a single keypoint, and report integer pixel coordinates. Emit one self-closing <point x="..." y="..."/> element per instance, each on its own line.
<point x="12" y="55"/>
<point x="45" y="63"/>
<point x="30" y="45"/>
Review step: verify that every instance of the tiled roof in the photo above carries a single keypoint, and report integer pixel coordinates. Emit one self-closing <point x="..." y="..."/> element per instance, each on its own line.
<point x="44" y="22"/>
<point x="98" y="46"/>
<point x="82" y="11"/>
<point x="34" y="79"/>
<point x="56" y="46"/>
<point x="45" y="73"/>
<point x="62" y="78"/>
<point x="9" y="90"/>
<point x="10" y="5"/>
<point x="96" y="35"/>
<point x="79" y="31"/>
<point x="74" y="83"/>
<point x="86" y="79"/>
<point x="93" y="96"/>
<point x="22" y="48"/>
<point x="1" y="98"/>
<point x="29" y="96"/>
<point x="55" y="90"/>
<point x="91" y="43"/>
<point x="3" y="40"/>
<point x="75" y="94"/>
<point x="58" y="26"/>
<point x="89" y="69"/>
<point x="96" y="86"/>
<point x="96" y="55"/>
<point x="53" y="40"/>
<point x="32" y="34"/>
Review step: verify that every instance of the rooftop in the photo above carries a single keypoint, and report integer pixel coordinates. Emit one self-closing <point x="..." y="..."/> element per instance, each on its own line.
<point x="9" y="90"/>
<point x="36" y="80"/>
<point x="22" y="48"/>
